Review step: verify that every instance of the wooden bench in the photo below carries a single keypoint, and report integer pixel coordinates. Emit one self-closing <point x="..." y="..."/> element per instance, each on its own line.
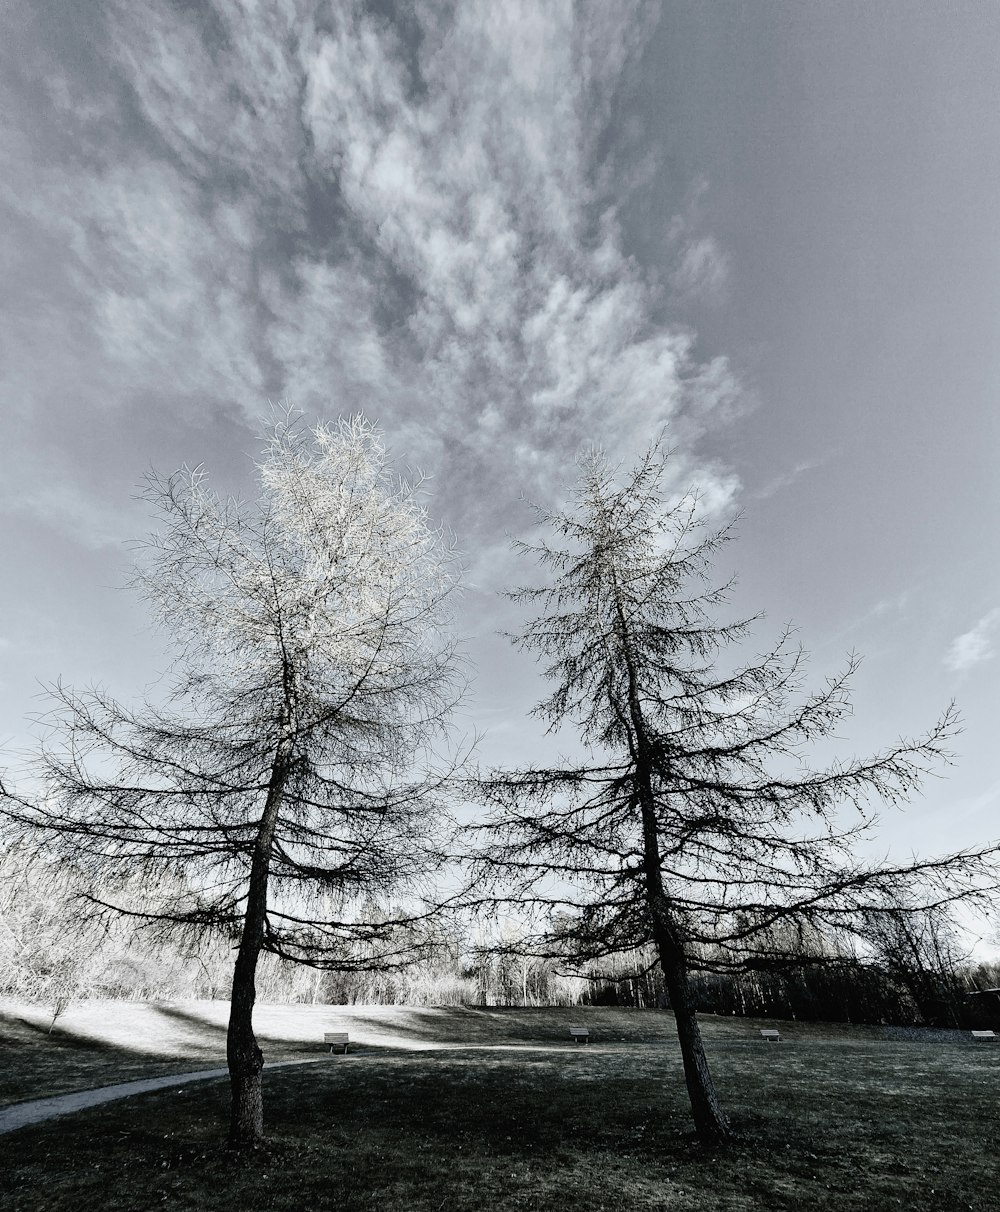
<point x="984" y="1035"/>
<point x="336" y="1039"/>
<point x="581" y="1035"/>
<point x="772" y="1036"/>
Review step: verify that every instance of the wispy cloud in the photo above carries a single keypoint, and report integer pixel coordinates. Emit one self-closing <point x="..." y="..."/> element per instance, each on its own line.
<point x="412" y="217"/>
<point x="891" y="607"/>
<point x="469" y="173"/>
<point x="786" y="479"/>
<point x="974" y="646"/>
<point x="64" y="506"/>
<point x="703" y="270"/>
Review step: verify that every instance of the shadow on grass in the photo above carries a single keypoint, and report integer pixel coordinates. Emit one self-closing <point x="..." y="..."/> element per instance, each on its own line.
<point x="472" y="1025"/>
<point x="534" y="1108"/>
<point x="209" y="1034"/>
<point x="16" y="1029"/>
<point x="193" y="1029"/>
<point x="583" y="1129"/>
<point x="37" y="1065"/>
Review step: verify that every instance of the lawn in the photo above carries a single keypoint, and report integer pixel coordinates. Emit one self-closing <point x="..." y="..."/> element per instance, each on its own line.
<point x="470" y="1109"/>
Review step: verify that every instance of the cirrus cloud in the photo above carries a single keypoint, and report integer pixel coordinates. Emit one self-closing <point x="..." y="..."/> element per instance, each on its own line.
<point x="974" y="646"/>
<point x="408" y="214"/>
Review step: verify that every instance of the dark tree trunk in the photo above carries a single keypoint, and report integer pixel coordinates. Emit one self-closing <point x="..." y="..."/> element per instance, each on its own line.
<point x="709" y="1119"/>
<point x="244" y="1057"/>
<point x="246" y="1061"/>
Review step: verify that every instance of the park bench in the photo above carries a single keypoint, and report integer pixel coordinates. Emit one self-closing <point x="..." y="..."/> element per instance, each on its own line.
<point x="772" y="1036"/>
<point x="581" y="1035"/>
<point x="984" y="1035"/>
<point x="336" y="1039"/>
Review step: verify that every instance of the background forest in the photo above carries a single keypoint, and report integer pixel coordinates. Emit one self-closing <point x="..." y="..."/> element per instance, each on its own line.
<point x="921" y="976"/>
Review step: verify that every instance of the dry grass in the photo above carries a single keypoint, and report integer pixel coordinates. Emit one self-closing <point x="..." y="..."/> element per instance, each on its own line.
<point x="97" y="1043"/>
<point x="832" y="1119"/>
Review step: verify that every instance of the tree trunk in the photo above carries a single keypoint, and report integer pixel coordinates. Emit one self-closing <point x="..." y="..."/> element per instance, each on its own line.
<point x="244" y="1057"/>
<point x="246" y="1061"/>
<point x="709" y="1119"/>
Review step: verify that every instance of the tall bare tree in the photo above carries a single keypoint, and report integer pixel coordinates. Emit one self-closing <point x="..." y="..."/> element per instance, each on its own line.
<point x="692" y="821"/>
<point x="920" y="950"/>
<point x="291" y="774"/>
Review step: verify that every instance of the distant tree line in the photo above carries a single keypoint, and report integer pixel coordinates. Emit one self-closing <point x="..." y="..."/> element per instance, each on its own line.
<point x="51" y="954"/>
<point x="848" y="989"/>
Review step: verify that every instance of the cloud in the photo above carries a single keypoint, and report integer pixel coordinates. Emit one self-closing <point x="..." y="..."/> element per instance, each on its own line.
<point x="974" y="646"/>
<point x="787" y="478"/>
<point x="703" y="271"/>
<point x="887" y="607"/>
<point x="91" y="522"/>
<point x="413" y="216"/>
<point x="220" y="88"/>
<point x="471" y="176"/>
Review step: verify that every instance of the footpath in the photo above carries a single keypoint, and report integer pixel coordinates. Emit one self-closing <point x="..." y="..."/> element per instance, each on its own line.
<point x="23" y="1115"/>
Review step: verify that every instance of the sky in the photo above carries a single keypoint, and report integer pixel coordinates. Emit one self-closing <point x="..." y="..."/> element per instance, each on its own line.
<point x="508" y="231"/>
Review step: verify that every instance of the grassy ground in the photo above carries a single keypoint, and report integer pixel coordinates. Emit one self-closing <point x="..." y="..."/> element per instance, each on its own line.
<point x="518" y="1119"/>
<point x="97" y="1043"/>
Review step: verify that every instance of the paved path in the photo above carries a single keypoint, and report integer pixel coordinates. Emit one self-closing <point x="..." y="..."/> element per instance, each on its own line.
<point x="22" y="1115"/>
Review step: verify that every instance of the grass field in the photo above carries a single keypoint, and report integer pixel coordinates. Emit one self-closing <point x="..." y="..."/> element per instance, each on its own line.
<point x="493" y="1109"/>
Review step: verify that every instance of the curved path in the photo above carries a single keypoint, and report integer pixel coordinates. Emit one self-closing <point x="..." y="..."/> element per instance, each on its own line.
<point x="22" y="1115"/>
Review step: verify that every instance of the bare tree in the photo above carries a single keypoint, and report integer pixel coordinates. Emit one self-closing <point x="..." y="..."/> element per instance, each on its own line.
<point x="691" y="821"/>
<point x="919" y="948"/>
<point x="45" y="955"/>
<point x="290" y="776"/>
